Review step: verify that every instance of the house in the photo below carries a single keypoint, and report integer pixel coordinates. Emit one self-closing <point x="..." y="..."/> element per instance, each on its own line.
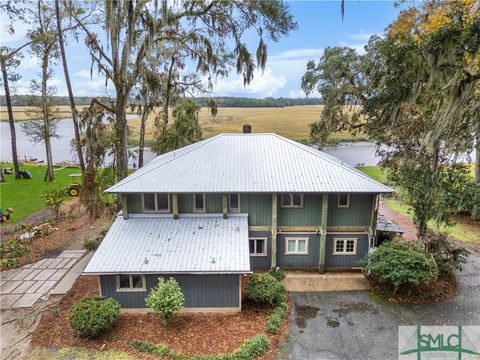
<point x="209" y="212"/>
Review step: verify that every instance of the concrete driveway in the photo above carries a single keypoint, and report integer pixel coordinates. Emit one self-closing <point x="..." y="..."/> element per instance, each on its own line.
<point x="352" y="325"/>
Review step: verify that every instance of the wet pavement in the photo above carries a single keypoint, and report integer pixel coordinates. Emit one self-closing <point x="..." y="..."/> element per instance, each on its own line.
<point x="354" y="325"/>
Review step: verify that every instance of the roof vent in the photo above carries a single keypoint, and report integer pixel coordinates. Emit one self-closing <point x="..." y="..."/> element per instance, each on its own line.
<point x="247" y="129"/>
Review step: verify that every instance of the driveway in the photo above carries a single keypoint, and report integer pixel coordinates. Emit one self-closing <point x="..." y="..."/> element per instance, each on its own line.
<point x="353" y="325"/>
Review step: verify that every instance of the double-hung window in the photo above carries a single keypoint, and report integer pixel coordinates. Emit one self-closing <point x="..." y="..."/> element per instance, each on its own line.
<point x="234" y="202"/>
<point x="126" y="282"/>
<point x="296" y="246"/>
<point x="343" y="200"/>
<point x="156" y="203"/>
<point x="199" y="203"/>
<point x="292" y="200"/>
<point x="345" y="246"/>
<point x="258" y="246"/>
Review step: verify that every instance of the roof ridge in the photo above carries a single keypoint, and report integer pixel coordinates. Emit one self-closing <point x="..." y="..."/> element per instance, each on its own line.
<point x="318" y="153"/>
<point x="199" y="144"/>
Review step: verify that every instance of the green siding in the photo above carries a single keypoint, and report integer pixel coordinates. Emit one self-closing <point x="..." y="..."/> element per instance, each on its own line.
<point x="258" y="207"/>
<point x="214" y="203"/>
<point x="185" y="203"/>
<point x="134" y="203"/>
<point x="358" y="214"/>
<point x="309" y="215"/>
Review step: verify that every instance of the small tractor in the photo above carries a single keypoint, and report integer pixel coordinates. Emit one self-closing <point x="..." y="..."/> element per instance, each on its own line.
<point x="5" y="215"/>
<point x="74" y="188"/>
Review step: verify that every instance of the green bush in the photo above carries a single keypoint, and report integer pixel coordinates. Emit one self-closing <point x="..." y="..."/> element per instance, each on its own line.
<point x="53" y="199"/>
<point x="93" y="314"/>
<point x="447" y="255"/>
<point x="166" y="299"/>
<point x="277" y="273"/>
<point x="401" y="264"/>
<point x="274" y="319"/>
<point x="263" y="287"/>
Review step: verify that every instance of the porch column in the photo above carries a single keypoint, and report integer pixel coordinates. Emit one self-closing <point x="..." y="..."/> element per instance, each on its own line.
<point x="323" y="233"/>
<point x="225" y="206"/>
<point x="124" y="206"/>
<point x="274" y="231"/>
<point x="175" y="205"/>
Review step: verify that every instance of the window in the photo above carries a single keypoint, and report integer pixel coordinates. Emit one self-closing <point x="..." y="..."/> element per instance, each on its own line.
<point x="343" y="200"/>
<point x="296" y="246"/>
<point x="258" y="246"/>
<point x="130" y="282"/>
<point x="345" y="246"/>
<point x="234" y="202"/>
<point x="292" y="200"/>
<point x="156" y="203"/>
<point x="199" y="203"/>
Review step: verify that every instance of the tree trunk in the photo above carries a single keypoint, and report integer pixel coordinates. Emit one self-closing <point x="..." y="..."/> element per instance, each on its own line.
<point x="76" y="129"/>
<point x="11" y="122"/>
<point x="50" y="176"/>
<point x="141" y="145"/>
<point x="476" y="208"/>
<point x="121" y="130"/>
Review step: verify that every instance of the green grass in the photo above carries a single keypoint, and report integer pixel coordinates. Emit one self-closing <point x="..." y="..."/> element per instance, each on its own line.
<point x="374" y="172"/>
<point x="25" y="196"/>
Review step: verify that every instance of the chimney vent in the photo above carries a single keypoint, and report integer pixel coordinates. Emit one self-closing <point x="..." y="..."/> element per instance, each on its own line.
<point x="247" y="129"/>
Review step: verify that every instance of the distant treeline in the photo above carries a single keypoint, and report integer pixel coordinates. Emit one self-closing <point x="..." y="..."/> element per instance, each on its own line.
<point x="25" y="100"/>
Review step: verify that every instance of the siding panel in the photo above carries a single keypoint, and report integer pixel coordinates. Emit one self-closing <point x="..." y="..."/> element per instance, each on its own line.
<point x="199" y="290"/>
<point x="134" y="203"/>
<point x="345" y="261"/>
<point x="298" y="261"/>
<point x="309" y="215"/>
<point x="258" y="207"/>
<point x="358" y="214"/>
<point x="262" y="262"/>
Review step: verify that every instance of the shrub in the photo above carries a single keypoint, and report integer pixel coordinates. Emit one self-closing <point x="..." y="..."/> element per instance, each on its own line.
<point x="166" y="299"/>
<point x="263" y="287"/>
<point x="93" y="314"/>
<point x="53" y="199"/>
<point x="274" y="319"/>
<point x="252" y="348"/>
<point x="448" y="256"/>
<point x="400" y="263"/>
<point x="277" y="273"/>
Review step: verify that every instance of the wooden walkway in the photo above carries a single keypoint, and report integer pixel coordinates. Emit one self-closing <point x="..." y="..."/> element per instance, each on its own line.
<point x="298" y="281"/>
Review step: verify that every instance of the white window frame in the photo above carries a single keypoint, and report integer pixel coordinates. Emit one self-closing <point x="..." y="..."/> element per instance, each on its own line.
<point x="204" y="209"/>
<point x="291" y="201"/>
<point x="296" y="252"/>
<point x="156" y="211"/>
<point x="265" y="244"/>
<point x="344" y="251"/>
<point x="131" y="288"/>
<point x="348" y="201"/>
<point x="237" y="209"/>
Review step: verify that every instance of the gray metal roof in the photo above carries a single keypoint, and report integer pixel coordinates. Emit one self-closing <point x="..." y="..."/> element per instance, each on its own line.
<point x="160" y="244"/>
<point x="248" y="163"/>
<point x="386" y="225"/>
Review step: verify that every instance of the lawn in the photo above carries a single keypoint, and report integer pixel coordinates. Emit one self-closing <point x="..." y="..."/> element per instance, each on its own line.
<point x="25" y="196"/>
<point x="19" y="112"/>
<point x="463" y="228"/>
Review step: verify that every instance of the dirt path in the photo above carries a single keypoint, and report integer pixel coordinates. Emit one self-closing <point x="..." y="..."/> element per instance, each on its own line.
<point x="405" y="222"/>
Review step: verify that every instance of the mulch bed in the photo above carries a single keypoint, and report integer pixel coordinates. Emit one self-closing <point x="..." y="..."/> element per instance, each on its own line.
<point x="446" y="287"/>
<point x="189" y="334"/>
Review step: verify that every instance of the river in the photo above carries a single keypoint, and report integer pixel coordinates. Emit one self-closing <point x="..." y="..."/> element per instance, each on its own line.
<point x="353" y="153"/>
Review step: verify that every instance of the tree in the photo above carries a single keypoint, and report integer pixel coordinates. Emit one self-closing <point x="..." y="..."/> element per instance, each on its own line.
<point x="199" y="28"/>
<point x="165" y="299"/>
<point x="185" y="129"/>
<point x="78" y="145"/>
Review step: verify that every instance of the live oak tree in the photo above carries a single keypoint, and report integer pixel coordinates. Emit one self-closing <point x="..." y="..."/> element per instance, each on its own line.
<point x="210" y="32"/>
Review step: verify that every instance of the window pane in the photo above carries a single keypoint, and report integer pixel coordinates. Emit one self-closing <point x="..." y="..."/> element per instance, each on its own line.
<point x="234" y="201"/>
<point x="297" y="200"/>
<point x="302" y="245"/>
<point x="343" y="200"/>
<point x="199" y="202"/>
<point x="252" y="246"/>
<point x="285" y="200"/>
<point x="291" y="245"/>
<point x="149" y="202"/>
<point x="350" y="246"/>
<point x="162" y="202"/>
<point x="260" y="246"/>
<point x="339" y="246"/>
<point x="137" y="281"/>
<point x="124" y="282"/>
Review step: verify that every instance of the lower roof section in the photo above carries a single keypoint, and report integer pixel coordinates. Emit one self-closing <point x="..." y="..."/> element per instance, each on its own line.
<point x="160" y="244"/>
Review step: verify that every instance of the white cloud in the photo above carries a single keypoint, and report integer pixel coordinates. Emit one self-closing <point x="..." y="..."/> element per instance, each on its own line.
<point x="360" y="36"/>
<point x="84" y="74"/>
<point x="262" y="85"/>
<point x="312" y="53"/>
<point x="29" y="62"/>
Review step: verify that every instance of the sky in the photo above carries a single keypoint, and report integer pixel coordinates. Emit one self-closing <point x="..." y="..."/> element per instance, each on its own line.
<point x="319" y="25"/>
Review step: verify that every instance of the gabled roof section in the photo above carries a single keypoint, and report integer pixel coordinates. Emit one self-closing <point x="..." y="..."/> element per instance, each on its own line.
<point x="265" y="163"/>
<point x="159" y="244"/>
